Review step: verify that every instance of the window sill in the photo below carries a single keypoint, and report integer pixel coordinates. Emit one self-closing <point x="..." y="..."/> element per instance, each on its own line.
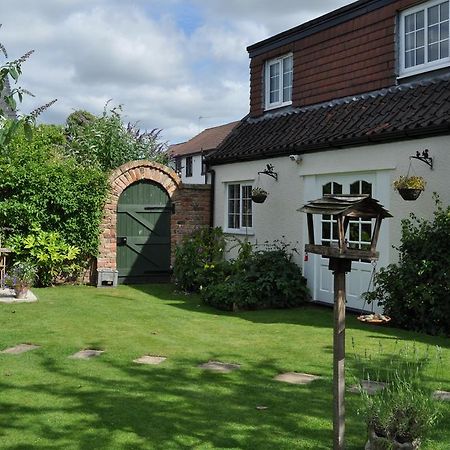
<point x="424" y="69"/>
<point x="241" y="231"/>
<point x="278" y="105"/>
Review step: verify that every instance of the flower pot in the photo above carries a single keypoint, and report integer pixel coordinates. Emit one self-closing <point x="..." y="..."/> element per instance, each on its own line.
<point x="409" y="194"/>
<point x="21" y="292"/>
<point x="376" y="442"/>
<point x="259" y="198"/>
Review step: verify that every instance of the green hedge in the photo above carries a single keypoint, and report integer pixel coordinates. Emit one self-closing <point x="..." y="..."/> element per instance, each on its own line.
<point x="41" y="189"/>
<point x="416" y="291"/>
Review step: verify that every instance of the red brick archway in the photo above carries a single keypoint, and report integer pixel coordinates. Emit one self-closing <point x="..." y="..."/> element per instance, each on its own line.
<point x="119" y="180"/>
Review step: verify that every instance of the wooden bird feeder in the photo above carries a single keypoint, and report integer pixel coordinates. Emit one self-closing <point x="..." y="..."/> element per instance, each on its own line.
<point x="343" y="208"/>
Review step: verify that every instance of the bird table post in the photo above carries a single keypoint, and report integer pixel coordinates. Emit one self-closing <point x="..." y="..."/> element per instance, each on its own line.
<point x="343" y="208"/>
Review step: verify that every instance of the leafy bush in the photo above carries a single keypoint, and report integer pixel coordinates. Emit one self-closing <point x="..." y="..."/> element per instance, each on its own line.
<point x="39" y="188"/>
<point x="260" y="279"/>
<point x="416" y="291"/>
<point x="49" y="253"/>
<point x="199" y="259"/>
<point x="106" y="142"/>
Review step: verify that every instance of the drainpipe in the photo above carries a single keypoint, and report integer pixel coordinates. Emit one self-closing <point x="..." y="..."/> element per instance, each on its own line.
<point x="212" y="195"/>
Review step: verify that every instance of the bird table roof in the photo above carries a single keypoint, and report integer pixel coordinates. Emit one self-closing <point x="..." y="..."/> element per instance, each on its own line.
<point x="346" y="205"/>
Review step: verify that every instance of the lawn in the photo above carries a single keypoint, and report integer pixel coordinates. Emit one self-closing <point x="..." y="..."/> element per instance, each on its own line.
<point x="50" y="401"/>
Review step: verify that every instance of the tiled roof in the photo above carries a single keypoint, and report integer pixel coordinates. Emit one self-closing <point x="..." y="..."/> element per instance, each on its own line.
<point x="207" y="140"/>
<point x="400" y="112"/>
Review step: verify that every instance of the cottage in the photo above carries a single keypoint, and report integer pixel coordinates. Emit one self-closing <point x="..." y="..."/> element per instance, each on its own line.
<point x="189" y="157"/>
<point x="339" y="105"/>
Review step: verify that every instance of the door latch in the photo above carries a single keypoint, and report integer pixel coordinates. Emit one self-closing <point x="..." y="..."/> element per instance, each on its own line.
<point x="122" y="240"/>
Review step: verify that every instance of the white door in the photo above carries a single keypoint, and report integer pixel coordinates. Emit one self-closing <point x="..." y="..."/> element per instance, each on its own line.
<point x="358" y="236"/>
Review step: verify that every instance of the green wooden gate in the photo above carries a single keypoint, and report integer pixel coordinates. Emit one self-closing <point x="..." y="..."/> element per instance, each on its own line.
<point x="143" y="233"/>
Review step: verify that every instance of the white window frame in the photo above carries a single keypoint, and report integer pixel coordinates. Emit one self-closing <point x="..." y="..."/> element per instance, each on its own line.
<point x="280" y="103"/>
<point x="426" y="66"/>
<point x="240" y="229"/>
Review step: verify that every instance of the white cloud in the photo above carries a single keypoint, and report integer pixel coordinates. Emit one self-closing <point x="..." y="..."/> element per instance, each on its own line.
<point x="168" y="62"/>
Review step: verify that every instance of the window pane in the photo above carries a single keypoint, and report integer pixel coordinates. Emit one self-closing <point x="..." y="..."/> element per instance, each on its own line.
<point x="443" y="31"/>
<point x="287" y="94"/>
<point x="274" y="83"/>
<point x="287" y="79"/>
<point x="433" y="15"/>
<point x="420" y="36"/>
<point x="444" y="49"/>
<point x="433" y="52"/>
<point x="366" y="232"/>
<point x="354" y="188"/>
<point x="366" y="188"/>
<point x="409" y="58"/>
<point x="410" y="41"/>
<point x="433" y="34"/>
<point x="326" y="189"/>
<point x="444" y="11"/>
<point x="337" y="188"/>
<point x="326" y="230"/>
<point x="420" y="56"/>
<point x="354" y="232"/>
<point x="420" y="20"/>
<point x="335" y="231"/>
<point x="409" y="23"/>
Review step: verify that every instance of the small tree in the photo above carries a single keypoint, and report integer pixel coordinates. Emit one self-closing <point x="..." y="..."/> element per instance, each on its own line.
<point x="416" y="291"/>
<point x="106" y="142"/>
<point x="10" y="97"/>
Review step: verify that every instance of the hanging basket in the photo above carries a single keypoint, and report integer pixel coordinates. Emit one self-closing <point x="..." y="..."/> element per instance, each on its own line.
<point x="376" y="319"/>
<point x="409" y="194"/>
<point x="259" y="198"/>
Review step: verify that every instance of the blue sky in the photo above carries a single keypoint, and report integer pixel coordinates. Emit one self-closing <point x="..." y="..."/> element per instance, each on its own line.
<point x="181" y="66"/>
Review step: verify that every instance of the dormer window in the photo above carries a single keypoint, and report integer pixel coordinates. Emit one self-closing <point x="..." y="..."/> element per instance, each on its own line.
<point x="424" y="38"/>
<point x="278" y="82"/>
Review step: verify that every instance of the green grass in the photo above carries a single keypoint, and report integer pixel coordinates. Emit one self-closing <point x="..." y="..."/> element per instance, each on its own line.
<point x="50" y="401"/>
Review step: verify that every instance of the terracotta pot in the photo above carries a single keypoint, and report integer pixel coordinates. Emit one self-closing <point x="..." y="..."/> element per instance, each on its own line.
<point x="259" y="198"/>
<point x="376" y="442"/>
<point x="410" y="194"/>
<point x="21" y="292"/>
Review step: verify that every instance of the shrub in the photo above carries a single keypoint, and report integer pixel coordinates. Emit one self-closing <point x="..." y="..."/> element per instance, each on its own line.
<point x="260" y="279"/>
<point x="199" y="259"/>
<point x="416" y="291"/>
<point x="39" y="188"/>
<point x="106" y="142"/>
<point x="49" y="253"/>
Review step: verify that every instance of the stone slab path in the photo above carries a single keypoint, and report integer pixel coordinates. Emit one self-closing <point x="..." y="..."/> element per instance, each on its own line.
<point x="217" y="366"/>
<point x="9" y="296"/>
<point x="442" y="395"/>
<point x="148" y="359"/>
<point x="371" y="387"/>
<point x="296" y="378"/>
<point x="21" y="348"/>
<point x="86" y="354"/>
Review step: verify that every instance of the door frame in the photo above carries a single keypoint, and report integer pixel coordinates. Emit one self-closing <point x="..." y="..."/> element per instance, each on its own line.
<point x="380" y="190"/>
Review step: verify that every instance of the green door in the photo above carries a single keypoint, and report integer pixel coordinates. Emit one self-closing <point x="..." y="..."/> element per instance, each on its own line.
<point x="143" y="233"/>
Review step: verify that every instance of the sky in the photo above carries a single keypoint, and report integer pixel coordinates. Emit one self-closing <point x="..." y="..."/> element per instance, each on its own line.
<point x="176" y="65"/>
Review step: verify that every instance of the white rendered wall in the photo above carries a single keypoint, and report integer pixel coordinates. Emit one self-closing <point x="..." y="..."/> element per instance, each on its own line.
<point x="297" y="184"/>
<point x="197" y="177"/>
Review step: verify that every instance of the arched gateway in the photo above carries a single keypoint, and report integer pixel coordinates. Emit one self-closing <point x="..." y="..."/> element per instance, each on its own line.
<point x="135" y="234"/>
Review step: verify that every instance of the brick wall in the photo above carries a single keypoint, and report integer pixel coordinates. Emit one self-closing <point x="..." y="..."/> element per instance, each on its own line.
<point x="192" y="210"/>
<point x="347" y="59"/>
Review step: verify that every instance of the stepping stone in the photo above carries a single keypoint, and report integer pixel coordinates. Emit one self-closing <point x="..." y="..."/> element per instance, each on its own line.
<point x="9" y="296"/>
<point x="217" y="366"/>
<point x="21" y="348"/>
<point x="147" y="359"/>
<point x="442" y="395"/>
<point x="86" y="354"/>
<point x="371" y="387"/>
<point x="296" y="378"/>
